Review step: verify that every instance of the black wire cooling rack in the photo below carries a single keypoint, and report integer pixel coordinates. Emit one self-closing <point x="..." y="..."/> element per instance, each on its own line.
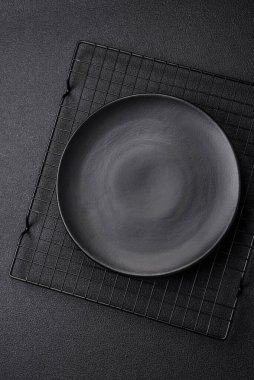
<point x="201" y="299"/>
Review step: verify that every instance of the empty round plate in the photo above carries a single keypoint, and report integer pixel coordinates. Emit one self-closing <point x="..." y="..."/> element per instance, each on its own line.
<point x="148" y="185"/>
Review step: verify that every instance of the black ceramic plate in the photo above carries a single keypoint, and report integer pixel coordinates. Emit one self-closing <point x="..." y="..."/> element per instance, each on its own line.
<point x="148" y="185"/>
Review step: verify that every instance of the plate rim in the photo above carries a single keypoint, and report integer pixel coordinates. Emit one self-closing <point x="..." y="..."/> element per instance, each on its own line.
<point x="193" y="262"/>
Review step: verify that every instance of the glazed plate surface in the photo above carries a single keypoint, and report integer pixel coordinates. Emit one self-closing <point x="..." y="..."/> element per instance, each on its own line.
<point x="148" y="185"/>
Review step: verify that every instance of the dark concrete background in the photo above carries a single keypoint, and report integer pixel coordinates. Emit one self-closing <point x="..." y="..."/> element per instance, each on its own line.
<point x="47" y="335"/>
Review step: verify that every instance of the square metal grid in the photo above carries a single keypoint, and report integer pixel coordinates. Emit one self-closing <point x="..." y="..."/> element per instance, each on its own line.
<point x="201" y="299"/>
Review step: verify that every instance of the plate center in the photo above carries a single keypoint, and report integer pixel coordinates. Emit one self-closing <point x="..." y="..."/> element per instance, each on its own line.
<point x="149" y="183"/>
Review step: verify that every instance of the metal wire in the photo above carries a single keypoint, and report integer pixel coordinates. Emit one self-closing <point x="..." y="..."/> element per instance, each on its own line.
<point x="202" y="299"/>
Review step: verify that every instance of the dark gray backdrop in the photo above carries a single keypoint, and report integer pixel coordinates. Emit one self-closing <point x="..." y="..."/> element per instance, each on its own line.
<point x="47" y="335"/>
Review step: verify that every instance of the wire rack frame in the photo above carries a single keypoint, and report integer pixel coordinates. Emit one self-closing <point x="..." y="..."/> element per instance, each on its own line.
<point x="201" y="299"/>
